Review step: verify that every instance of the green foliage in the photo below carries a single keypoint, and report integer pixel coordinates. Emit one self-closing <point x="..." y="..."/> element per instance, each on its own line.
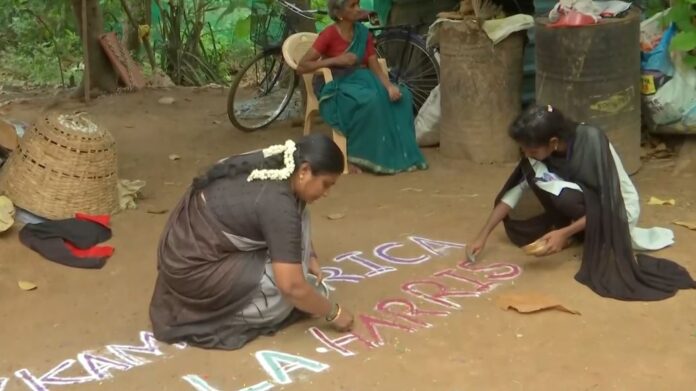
<point x="683" y="14"/>
<point x="40" y="43"/>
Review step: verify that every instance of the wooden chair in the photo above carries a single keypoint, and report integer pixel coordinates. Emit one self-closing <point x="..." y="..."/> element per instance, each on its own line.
<point x="294" y="48"/>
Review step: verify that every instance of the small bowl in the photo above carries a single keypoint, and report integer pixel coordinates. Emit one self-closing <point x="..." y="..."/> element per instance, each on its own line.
<point x="535" y="248"/>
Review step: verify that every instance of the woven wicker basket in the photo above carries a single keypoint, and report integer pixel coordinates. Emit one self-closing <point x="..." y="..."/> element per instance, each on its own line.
<point x="63" y="165"/>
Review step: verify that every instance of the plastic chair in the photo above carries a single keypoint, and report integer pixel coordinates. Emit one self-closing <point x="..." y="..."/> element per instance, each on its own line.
<point x="294" y="48"/>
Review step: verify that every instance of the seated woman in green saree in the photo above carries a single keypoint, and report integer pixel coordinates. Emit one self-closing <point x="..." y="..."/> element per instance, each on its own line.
<point x="374" y="115"/>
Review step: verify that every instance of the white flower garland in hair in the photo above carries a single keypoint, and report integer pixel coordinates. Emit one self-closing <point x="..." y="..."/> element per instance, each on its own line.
<point x="288" y="150"/>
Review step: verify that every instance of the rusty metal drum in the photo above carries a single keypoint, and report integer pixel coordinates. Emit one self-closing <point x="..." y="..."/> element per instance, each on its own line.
<point x="592" y="74"/>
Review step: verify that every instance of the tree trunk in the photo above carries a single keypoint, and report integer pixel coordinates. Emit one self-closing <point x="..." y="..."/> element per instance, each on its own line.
<point x="196" y="26"/>
<point x="140" y="10"/>
<point x="102" y="75"/>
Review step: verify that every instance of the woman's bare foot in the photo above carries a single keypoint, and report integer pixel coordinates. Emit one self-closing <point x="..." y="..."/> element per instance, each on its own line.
<point x="353" y="169"/>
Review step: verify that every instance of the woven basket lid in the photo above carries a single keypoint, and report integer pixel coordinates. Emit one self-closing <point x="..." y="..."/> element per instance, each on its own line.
<point x="64" y="164"/>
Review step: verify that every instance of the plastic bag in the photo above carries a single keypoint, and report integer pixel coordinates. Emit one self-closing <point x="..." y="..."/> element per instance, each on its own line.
<point x="585" y="7"/>
<point x="675" y="100"/>
<point x="428" y="120"/>
<point x="658" y="58"/>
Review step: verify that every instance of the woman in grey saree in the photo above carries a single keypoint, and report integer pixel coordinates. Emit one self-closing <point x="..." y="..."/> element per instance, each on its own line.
<point x="235" y="255"/>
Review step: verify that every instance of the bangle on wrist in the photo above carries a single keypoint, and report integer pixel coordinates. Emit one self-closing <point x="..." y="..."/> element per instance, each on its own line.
<point x="334" y="313"/>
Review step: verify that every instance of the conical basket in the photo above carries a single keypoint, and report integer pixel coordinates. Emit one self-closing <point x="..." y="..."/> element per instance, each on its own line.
<point x="63" y="165"/>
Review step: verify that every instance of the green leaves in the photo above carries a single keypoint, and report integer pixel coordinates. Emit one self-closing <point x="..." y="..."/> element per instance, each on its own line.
<point x="242" y="27"/>
<point x="690" y="60"/>
<point x="234" y="5"/>
<point x="684" y="41"/>
<point x="683" y="15"/>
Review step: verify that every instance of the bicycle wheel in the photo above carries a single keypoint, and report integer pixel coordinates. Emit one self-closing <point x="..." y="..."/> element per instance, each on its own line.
<point x="261" y="91"/>
<point x="410" y="62"/>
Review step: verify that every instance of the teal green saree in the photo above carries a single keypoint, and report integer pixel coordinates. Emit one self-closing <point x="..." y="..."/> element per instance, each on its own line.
<point x="380" y="133"/>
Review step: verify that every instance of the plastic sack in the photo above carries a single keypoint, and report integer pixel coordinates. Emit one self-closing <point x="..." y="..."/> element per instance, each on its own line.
<point x="675" y="100"/>
<point x="585" y="7"/>
<point x="651" y="31"/>
<point x="658" y="58"/>
<point x="428" y="120"/>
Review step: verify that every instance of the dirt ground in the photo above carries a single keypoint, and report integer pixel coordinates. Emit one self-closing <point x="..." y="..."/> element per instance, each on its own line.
<point x="612" y="345"/>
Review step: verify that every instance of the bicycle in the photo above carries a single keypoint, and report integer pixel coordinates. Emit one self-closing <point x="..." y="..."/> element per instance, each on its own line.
<point x="265" y="86"/>
<point x="271" y="86"/>
<point x="409" y="59"/>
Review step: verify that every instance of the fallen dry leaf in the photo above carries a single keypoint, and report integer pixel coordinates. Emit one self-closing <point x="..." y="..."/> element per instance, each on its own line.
<point x="531" y="302"/>
<point x="413" y="189"/>
<point x="157" y="211"/>
<point x="335" y="216"/>
<point x="658" y="201"/>
<point x="174" y="157"/>
<point x="688" y="224"/>
<point x="26" y="285"/>
<point x="167" y="100"/>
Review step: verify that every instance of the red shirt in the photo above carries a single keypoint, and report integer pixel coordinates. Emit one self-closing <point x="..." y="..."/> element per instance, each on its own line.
<point x="330" y="43"/>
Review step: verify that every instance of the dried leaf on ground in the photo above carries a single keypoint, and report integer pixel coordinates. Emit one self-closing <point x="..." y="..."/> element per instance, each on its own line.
<point x="654" y="149"/>
<point x="530" y="302"/>
<point x="688" y="224"/>
<point x="336" y="216"/>
<point x="659" y="201"/>
<point x="157" y="211"/>
<point x="26" y="285"/>
<point x="174" y="157"/>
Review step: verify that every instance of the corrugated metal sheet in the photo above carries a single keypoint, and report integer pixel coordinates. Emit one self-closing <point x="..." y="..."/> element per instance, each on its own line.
<point x="541" y="7"/>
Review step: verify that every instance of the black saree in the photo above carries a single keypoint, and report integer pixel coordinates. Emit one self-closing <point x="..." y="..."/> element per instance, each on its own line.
<point x="609" y="266"/>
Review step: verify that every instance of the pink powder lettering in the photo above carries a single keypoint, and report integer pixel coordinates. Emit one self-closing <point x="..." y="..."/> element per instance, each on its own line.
<point x="338" y="344"/>
<point x="439" y="297"/>
<point x="410" y="311"/>
<point x="481" y="287"/>
<point x="494" y="271"/>
<point x="372" y="323"/>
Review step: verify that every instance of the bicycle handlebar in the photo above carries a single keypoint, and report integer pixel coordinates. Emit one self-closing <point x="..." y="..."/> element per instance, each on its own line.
<point x="307" y="14"/>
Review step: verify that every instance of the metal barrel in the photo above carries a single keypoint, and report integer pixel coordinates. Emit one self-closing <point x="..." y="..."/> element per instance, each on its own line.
<point x="592" y="74"/>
